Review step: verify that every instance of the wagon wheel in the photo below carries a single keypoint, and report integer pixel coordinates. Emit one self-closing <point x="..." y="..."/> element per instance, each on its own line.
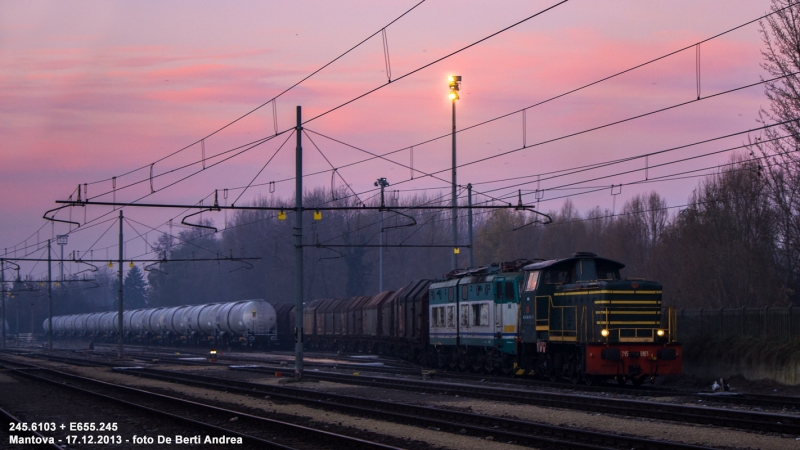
<point x="637" y="381"/>
<point x="507" y="365"/>
<point x="491" y="365"/>
<point x="441" y="360"/>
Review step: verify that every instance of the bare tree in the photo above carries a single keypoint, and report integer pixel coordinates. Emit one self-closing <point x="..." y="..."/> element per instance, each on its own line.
<point x="780" y="163"/>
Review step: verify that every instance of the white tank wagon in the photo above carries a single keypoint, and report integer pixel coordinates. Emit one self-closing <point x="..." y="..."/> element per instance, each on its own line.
<point x="80" y="323"/>
<point x="246" y="322"/>
<point x="169" y="321"/>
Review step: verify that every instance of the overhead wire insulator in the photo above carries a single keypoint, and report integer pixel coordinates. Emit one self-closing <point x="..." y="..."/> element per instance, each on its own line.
<point x="411" y="165"/>
<point x="275" y="115"/>
<point x="386" y="55"/>
<point x="697" y="69"/>
<point x="203" y="152"/>
<point x="151" y="178"/>
<point x="524" y="129"/>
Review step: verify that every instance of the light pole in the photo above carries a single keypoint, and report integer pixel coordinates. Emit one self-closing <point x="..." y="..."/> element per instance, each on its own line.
<point x="61" y="240"/>
<point x="382" y="183"/>
<point x="49" y="298"/>
<point x="455" y="84"/>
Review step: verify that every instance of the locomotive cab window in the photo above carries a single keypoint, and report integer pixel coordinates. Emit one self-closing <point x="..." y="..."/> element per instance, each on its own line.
<point x="556" y="276"/>
<point x="509" y="290"/>
<point x="533" y="281"/>
<point x="607" y="272"/>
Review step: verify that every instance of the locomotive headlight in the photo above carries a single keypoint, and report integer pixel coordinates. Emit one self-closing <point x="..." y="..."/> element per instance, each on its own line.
<point x="660" y="333"/>
<point x="213" y="353"/>
<point x="604" y="332"/>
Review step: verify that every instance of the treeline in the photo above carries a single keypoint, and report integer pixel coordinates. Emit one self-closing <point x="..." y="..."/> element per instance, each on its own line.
<point x="28" y="302"/>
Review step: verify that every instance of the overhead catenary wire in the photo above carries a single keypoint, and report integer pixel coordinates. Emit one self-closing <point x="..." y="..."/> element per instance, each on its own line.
<point x="335" y="172"/>
<point x="703" y="141"/>
<point x="262" y="169"/>
<point x="638" y="156"/>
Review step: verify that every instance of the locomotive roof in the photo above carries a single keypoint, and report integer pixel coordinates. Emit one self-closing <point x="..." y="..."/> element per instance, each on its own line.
<point x="575" y="257"/>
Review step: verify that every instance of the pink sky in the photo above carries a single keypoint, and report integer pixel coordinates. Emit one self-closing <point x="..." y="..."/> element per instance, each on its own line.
<point x="90" y="90"/>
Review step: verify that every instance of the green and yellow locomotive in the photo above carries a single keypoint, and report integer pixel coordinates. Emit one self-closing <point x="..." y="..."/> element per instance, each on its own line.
<point x="580" y="321"/>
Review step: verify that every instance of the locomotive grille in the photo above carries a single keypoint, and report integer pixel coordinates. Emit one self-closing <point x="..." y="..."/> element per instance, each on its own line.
<point x="629" y="316"/>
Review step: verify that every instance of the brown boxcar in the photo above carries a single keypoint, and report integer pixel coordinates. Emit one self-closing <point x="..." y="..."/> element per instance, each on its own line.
<point x="408" y="309"/>
<point x="388" y="315"/>
<point x="328" y="314"/>
<point x="355" y="317"/>
<point x="340" y="317"/>
<point x="372" y="314"/>
<point x="310" y="317"/>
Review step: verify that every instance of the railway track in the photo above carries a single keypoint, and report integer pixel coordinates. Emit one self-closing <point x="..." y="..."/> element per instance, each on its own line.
<point x="747" y="420"/>
<point x="293" y="436"/>
<point x="400" y="368"/>
<point x="108" y="359"/>
<point x="501" y="429"/>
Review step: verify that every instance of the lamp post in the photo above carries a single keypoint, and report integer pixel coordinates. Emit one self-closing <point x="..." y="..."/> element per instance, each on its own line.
<point x="382" y="183"/>
<point x="455" y="84"/>
<point x="61" y="240"/>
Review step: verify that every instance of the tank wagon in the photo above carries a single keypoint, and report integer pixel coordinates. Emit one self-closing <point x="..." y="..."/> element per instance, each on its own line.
<point x="246" y="322"/>
<point x="571" y="318"/>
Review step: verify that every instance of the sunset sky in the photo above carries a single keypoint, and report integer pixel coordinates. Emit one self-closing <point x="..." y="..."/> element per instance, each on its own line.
<point x="94" y="90"/>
